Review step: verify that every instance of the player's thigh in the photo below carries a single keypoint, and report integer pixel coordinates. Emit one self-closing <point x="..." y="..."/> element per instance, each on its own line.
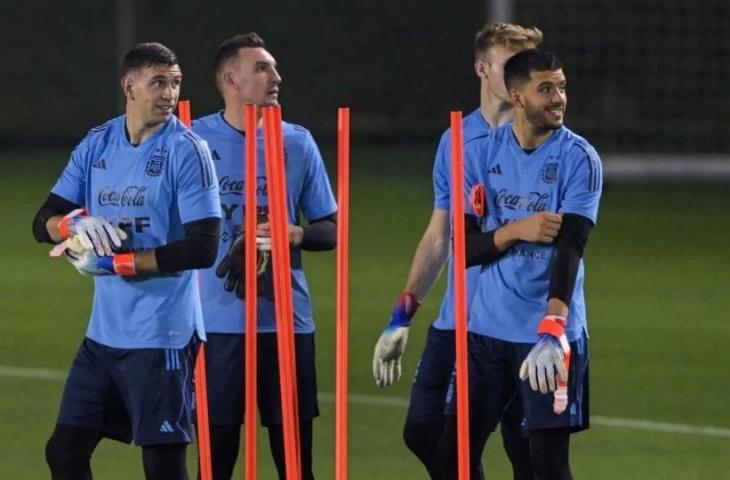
<point x="269" y="397"/>
<point x="157" y="388"/>
<point x="432" y="378"/>
<point x="90" y="397"/>
<point x="538" y="407"/>
<point x="491" y="386"/>
<point x="224" y="362"/>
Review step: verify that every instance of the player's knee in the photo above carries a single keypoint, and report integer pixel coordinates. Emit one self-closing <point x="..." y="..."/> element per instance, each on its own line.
<point x="68" y="452"/>
<point x="57" y="455"/>
<point x="549" y="454"/>
<point x="518" y="452"/>
<point x="165" y="462"/>
<point x="422" y="438"/>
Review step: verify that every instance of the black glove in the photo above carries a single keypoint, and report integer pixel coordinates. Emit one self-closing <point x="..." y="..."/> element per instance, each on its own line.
<point x="233" y="265"/>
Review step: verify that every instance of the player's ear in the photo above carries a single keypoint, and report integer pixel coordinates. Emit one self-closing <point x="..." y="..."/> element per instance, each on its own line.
<point x="515" y="97"/>
<point x="227" y="78"/>
<point x="480" y="67"/>
<point x="127" y="87"/>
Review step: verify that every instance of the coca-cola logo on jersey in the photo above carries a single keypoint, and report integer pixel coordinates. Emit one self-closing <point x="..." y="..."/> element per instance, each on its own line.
<point x="527" y="202"/>
<point x="233" y="186"/>
<point x="132" y="196"/>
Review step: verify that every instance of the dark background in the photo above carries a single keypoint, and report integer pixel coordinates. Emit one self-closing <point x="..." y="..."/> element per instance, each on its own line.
<point x="649" y="76"/>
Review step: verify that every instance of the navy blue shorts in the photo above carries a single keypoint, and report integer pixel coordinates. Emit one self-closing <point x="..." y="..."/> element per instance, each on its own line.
<point x="145" y="395"/>
<point x="494" y="385"/>
<point x="225" y="374"/>
<point x="432" y="380"/>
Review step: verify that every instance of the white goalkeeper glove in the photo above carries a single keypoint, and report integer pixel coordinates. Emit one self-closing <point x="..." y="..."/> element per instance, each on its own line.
<point x="87" y="262"/>
<point x="392" y="342"/>
<point x="95" y="232"/>
<point x="548" y="363"/>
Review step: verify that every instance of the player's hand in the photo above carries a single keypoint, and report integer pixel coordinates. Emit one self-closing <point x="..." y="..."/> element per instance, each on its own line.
<point x="541" y="227"/>
<point x="392" y="342"/>
<point x="548" y="362"/>
<point x="94" y="232"/>
<point x="233" y="265"/>
<point x="87" y="262"/>
<point x="263" y="230"/>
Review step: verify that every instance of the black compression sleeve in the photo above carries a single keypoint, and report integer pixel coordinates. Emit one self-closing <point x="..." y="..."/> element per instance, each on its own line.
<point x="320" y="234"/>
<point x="198" y="249"/>
<point x="54" y="205"/>
<point x="569" y="246"/>
<point x="480" y="247"/>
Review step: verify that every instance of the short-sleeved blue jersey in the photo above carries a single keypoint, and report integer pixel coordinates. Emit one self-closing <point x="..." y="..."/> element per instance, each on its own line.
<point x="474" y="126"/>
<point x="308" y="191"/>
<point x="151" y="191"/>
<point x="562" y="176"/>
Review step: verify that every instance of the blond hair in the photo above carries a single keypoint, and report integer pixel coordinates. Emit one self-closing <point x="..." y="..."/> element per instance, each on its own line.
<point x="506" y="34"/>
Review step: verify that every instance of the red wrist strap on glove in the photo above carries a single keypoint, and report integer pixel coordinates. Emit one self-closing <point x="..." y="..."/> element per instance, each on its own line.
<point x="409" y="302"/>
<point x="65" y="223"/>
<point x="124" y="265"/>
<point x="552" y="325"/>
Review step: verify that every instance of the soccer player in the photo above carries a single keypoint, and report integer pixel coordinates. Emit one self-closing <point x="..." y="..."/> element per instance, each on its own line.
<point x="528" y="316"/>
<point x="493" y="45"/>
<point x="146" y="173"/>
<point x="246" y="73"/>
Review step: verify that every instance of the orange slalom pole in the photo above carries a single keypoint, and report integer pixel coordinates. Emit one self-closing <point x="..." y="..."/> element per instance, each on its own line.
<point x="280" y="168"/>
<point x="343" y="284"/>
<point x="276" y="186"/>
<point x="201" y="382"/>
<point x="251" y="373"/>
<point x="459" y="265"/>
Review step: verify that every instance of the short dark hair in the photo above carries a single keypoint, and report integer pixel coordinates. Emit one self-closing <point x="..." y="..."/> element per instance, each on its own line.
<point x="144" y="55"/>
<point x="518" y="68"/>
<point x="229" y="49"/>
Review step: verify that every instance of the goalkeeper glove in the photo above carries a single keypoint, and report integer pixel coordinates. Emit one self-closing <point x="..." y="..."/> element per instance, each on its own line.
<point x="392" y="342"/>
<point x="550" y="356"/>
<point x="94" y="232"/>
<point x="87" y="262"/>
<point x="233" y="264"/>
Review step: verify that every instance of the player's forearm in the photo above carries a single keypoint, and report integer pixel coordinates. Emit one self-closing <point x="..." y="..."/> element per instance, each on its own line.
<point x="427" y="264"/>
<point x="52" y="228"/>
<point x="146" y="262"/>
<point x="556" y="306"/>
<point x="569" y="247"/>
<point x="48" y="217"/>
<point x="198" y="249"/>
<point x="506" y="236"/>
<point x="483" y="248"/>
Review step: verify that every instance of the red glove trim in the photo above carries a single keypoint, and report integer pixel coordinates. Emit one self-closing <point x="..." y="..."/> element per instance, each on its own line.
<point x="68" y="220"/>
<point x="124" y="264"/>
<point x="552" y="325"/>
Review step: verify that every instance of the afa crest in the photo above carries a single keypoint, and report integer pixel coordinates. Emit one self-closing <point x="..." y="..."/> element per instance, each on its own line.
<point x="155" y="166"/>
<point x="549" y="173"/>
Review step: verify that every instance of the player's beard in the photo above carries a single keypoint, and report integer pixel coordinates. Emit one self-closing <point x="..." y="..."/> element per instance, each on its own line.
<point x="540" y="119"/>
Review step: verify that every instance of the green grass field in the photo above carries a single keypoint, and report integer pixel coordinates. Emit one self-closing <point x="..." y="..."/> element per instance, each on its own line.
<point x="656" y="267"/>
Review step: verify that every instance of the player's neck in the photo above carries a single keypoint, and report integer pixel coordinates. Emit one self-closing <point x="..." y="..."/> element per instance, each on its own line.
<point x="234" y="116"/>
<point x="138" y="131"/>
<point x="494" y="110"/>
<point x="527" y="135"/>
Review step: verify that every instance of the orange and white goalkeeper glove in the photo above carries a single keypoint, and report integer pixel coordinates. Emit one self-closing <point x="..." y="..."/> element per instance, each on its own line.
<point x="548" y="363"/>
<point x="95" y="233"/>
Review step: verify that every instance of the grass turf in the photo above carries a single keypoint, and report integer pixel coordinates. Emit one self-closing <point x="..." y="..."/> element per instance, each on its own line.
<point x="656" y="267"/>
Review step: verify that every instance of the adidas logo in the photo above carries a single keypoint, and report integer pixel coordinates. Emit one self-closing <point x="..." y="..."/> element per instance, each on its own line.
<point x="497" y="169"/>
<point x="100" y="164"/>
<point x="166" y="427"/>
<point x="215" y="155"/>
